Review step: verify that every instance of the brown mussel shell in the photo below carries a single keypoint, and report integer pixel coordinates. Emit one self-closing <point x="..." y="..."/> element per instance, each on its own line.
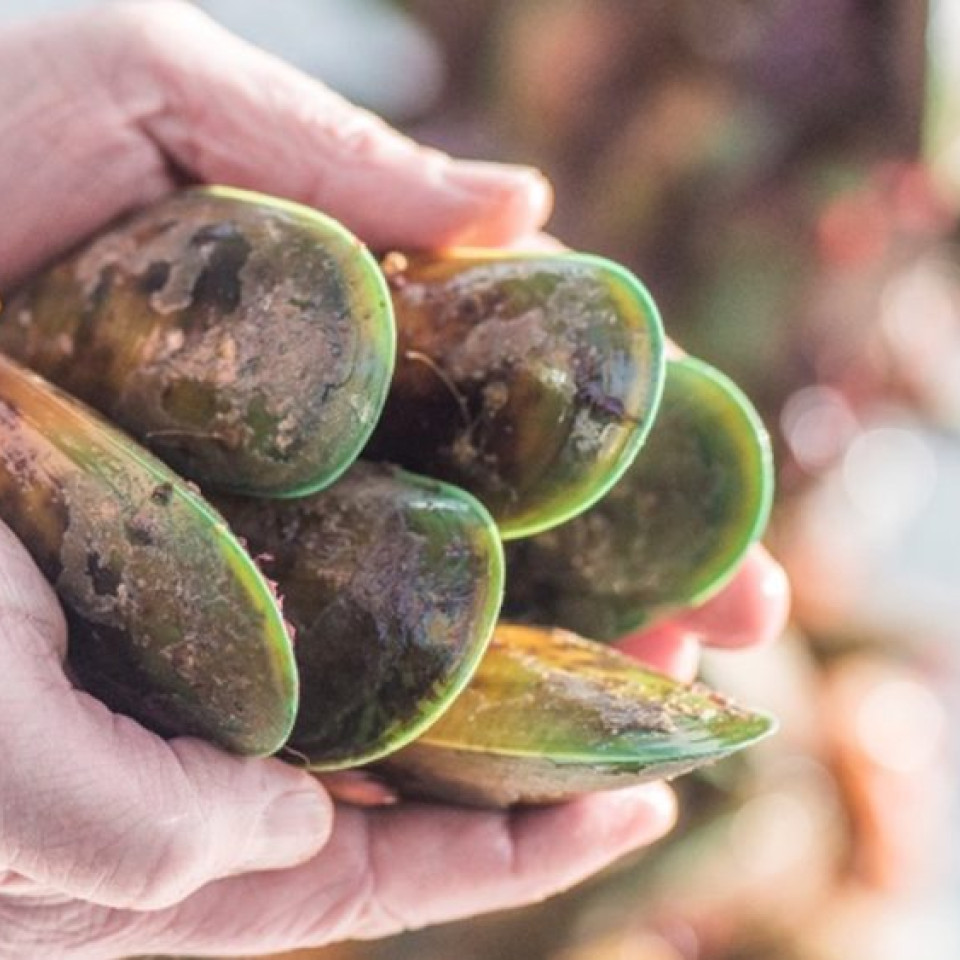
<point x="529" y="380"/>
<point x="549" y="715"/>
<point x="392" y="584"/>
<point x="247" y="341"/>
<point x="671" y="532"/>
<point x="170" y="621"/>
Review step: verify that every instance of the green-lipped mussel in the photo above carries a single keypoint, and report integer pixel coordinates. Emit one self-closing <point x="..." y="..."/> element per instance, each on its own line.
<point x="247" y="341"/>
<point x="549" y="715"/>
<point x="392" y="584"/>
<point x="671" y="532"/>
<point x="170" y="621"/>
<point x="529" y="380"/>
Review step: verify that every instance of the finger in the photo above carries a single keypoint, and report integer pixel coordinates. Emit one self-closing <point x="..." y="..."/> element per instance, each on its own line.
<point x="227" y="112"/>
<point x="751" y="610"/>
<point x="399" y="868"/>
<point x="68" y="160"/>
<point x="665" y="647"/>
<point x="361" y="788"/>
<point x="537" y="243"/>
<point x="99" y="808"/>
<point x="467" y="862"/>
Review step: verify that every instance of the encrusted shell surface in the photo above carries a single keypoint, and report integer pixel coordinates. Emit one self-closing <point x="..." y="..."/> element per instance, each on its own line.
<point x="549" y="715"/>
<point x="671" y="532"/>
<point x="170" y="621"/>
<point x="247" y="341"/>
<point x="529" y="380"/>
<point x="392" y="584"/>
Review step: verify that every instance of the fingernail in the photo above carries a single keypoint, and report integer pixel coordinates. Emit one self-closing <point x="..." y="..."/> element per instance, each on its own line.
<point x="360" y="788"/>
<point x="652" y="807"/>
<point x="513" y="201"/>
<point x="751" y="610"/>
<point x="293" y="829"/>
<point x="776" y="587"/>
<point x="481" y="176"/>
<point x="775" y="603"/>
<point x="685" y="663"/>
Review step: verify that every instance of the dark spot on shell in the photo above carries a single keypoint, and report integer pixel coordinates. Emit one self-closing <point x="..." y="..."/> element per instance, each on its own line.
<point x="105" y="664"/>
<point x="162" y="494"/>
<point x="219" y="284"/>
<point x="155" y="277"/>
<point x="139" y="532"/>
<point x="600" y="402"/>
<point x="99" y="354"/>
<point x="105" y="581"/>
<point x="100" y="292"/>
<point x="94" y="303"/>
<point x="471" y="309"/>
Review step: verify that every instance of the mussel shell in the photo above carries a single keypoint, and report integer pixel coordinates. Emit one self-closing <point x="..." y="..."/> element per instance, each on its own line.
<point x="392" y="584"/>
<point x="170" y="621"/>
<point x="671" y="532"/>
<point x="549" y="715"/>
<point x="247" y="341"/>
<point x="529" y="380"/>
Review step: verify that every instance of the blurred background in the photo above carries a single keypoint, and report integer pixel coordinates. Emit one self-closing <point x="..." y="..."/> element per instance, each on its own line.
<point x="785" y="177"/>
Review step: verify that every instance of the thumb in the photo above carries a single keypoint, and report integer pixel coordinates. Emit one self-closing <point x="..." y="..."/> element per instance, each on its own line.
<point x="227" y="112"/>
<point x="98" y="808"/>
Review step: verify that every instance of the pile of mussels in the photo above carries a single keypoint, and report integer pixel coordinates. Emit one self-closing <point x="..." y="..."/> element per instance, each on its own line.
<point x="302" y="592"/>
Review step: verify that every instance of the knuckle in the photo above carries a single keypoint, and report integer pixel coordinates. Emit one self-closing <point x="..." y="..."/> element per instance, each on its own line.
<point x="150" y="856"/>
<point x="356" y="134"/>
<point x="158" y="872"/>
<point x="149" y="29"/>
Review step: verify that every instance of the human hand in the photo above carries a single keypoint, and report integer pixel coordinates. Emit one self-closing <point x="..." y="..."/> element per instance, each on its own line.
<point x="113" y="841"/>
<point x="108" y="110"/>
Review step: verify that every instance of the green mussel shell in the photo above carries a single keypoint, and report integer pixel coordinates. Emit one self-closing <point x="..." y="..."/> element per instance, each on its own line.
<point x="671" y="533"/>
<point x="529" y="380"/>
<point x="392" y="584"/>
<point x="248" y="341"/>
<point x="549" y="715"/>
<point x="170" y="621"/>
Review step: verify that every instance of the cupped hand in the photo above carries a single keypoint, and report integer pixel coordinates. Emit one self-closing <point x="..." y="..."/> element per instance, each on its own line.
<point x="113" y="108"/>
<point x="115" y="842"/>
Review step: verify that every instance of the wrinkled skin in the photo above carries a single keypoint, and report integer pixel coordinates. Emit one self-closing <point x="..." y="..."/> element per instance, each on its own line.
<point x="112" y="841"/>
